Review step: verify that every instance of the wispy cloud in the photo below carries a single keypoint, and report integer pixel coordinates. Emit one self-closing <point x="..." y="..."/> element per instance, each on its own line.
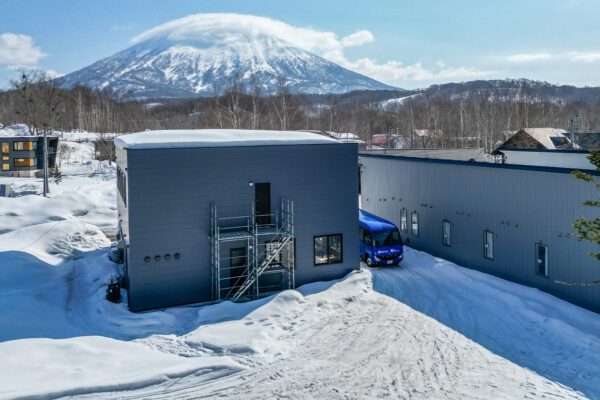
<point x="212" y="28"/>
<point x="573" y="56"/>
<point x="125" y="27"/>
<point x="19" y="50"/>
<point x="523" y="58"/>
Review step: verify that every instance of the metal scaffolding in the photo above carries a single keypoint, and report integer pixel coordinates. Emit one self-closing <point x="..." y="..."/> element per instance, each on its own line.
<point x="268" y="240"/>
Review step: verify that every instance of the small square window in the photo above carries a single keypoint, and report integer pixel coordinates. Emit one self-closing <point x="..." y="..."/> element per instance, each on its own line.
<point x="328" y="249"/>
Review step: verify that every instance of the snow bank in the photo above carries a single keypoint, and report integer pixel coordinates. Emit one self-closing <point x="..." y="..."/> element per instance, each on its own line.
<point x="51" y="368"/>
<point x="217" y="138"/>
<point x="15" y="130"/>
<point x="54" y="241"/>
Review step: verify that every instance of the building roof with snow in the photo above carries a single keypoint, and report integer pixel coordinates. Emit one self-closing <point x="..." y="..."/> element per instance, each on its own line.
<point x="218" y="138"/>
<point x="539" y="138"/>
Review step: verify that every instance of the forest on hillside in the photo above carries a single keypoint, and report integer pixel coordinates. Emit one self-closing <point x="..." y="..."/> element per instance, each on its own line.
<point x="431" y="118"/>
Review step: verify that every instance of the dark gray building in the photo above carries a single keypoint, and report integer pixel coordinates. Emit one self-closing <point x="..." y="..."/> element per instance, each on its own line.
<point x="512" y="221"/>
<point x="209" y="215"/>
<point x="24" y="155"/>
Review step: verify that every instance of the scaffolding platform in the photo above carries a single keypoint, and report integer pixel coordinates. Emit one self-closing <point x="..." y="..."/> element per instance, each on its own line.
<point x="269" y="253"/>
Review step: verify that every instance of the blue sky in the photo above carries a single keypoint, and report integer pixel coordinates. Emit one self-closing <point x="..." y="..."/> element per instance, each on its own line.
<point x="406" y="43"/>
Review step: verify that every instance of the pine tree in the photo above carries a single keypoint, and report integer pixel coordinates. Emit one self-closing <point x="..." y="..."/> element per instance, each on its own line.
<point x="590" y="229"/>
<point x="56" y="174"/>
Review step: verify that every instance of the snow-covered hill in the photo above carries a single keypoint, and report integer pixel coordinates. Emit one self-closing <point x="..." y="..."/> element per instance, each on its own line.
<point x="199" y="55"/>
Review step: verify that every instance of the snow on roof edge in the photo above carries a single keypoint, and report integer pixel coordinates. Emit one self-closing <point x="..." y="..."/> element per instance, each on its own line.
<point x="217" y="138"/>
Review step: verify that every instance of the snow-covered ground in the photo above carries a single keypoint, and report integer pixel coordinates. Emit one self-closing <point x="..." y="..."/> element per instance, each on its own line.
<point x="427" y="329"/>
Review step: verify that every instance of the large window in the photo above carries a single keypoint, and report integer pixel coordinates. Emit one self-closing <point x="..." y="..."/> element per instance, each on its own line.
<point x="414" y="223"/>
<point x="122" y="185"/>
<point x="541" y="259"/>
<point x="403" y="220"/>
<point x="25" y="162"/>
<point x="328" y="249"/>
<point x="446" y="233"/>
<point x="5" y="167"/>
<point x="488" y="245"/>
<point x="5" y="148"/>
<point x="24" y="146"/>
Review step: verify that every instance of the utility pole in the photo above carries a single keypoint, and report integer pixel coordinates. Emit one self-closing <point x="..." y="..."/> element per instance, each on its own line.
<point x="46" y="188"/>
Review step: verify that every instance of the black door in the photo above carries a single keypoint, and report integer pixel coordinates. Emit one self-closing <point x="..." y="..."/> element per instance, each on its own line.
<point x="238" y="270"/>
<point x="262" y="200"/>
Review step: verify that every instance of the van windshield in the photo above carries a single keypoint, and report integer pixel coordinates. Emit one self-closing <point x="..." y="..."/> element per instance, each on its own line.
<point x="386" y="238"/>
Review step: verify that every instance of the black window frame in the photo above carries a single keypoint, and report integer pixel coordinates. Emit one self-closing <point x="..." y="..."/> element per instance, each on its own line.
<point x="328" y="262"/>
<point x="537" y="263"/>
<point x="485" y="242"/>
<point x="412" y="230"/>
<point x="122" y="185"/>
<point x="447" y="243"/>
<point x="405" y="227"/>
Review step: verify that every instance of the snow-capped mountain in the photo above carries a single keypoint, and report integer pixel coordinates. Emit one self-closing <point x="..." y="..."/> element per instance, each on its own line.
<point x="200" y="55"/>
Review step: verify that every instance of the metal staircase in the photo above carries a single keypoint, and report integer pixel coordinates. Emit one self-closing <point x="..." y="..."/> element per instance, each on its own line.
<point x="263" y="244"/>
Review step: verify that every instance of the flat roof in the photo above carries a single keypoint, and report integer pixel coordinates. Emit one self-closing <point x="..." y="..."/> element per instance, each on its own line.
<point x="172" y="139"/>
<point x="27" y="137"/>
<point x="559" y="170"/>
<point x="438" y="154"/>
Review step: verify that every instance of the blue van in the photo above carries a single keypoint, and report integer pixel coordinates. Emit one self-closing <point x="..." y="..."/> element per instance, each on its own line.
<point x="380" y="241"/>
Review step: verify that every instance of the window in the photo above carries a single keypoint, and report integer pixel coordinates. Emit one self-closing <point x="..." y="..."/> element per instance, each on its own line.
<point x="403" y="220"/>
<point x="390" y="237"/>
<point x="446" y="233"/>
<point x="24" y="146"/>
<point x="24" y="162"/>
<point x="5" y="158"/>
<point x="270" y="247"/>
<point x="122" y="185"/>
<point x="541" y="259"/>
<point x="5" y="167"/>
<point x="328" y="249"/>
<point x="5" y="148"/>
<point x="414" y="223"/>
<point x="488" y="245"/>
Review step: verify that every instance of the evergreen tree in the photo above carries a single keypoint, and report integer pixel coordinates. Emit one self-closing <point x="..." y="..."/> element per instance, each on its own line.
<point x="56" y="174"/>
<point x="590" y="229"/>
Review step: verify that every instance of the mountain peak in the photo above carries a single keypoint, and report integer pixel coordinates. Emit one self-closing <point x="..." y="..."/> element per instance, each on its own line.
<point x="200" y="54"/>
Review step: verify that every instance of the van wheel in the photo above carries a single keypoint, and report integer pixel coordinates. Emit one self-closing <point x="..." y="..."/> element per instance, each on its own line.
<point x="369" y="262"/>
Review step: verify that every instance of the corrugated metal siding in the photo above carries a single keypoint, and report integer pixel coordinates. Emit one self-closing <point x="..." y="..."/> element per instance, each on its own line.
<point x="521" y="207"/>
<point x="170" y="191"/>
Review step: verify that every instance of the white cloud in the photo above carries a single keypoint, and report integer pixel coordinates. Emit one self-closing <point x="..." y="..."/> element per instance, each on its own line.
<point x="586" y="56"/>
<point x="570" y="56"/>
<point x="523" y="58"/>
<point x="17" y="49"/>
<point x="117" y="28"/>
<point x="211" y="28"/>
<point x="357" y="39"/>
